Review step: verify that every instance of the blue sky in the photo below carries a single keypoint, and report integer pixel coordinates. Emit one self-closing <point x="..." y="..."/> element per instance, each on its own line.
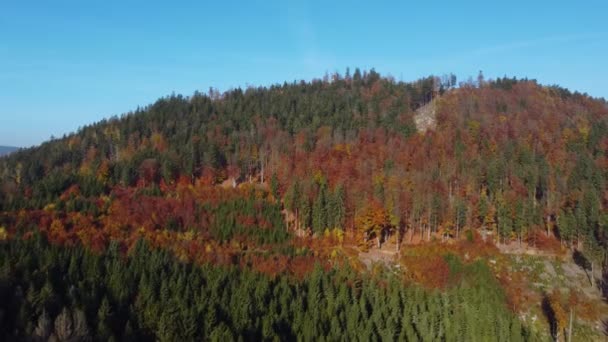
<point x="66" y="64"/>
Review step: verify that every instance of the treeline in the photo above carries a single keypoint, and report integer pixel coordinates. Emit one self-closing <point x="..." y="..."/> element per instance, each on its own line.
<point x="73" y="294"/>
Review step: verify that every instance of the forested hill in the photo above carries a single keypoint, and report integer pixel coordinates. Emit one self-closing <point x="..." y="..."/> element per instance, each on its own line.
<point x="507" y="155"/>
<point x="247" y="214"/>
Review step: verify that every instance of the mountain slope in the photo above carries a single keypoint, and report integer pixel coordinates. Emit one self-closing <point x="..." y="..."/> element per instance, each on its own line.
<point x="504" y="157"/>
<point x="320" y="171"/>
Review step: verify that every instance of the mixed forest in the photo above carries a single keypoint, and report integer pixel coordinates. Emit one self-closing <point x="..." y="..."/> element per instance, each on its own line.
<point x="242" y="215"/>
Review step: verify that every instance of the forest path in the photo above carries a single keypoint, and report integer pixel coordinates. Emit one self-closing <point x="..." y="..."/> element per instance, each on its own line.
<point x="515" y="248"/>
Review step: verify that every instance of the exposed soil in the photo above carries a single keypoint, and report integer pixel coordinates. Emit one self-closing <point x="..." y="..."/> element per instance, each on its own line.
<point x="516" y="248"/>
<point x="386" y="255"/>
<point x="425" y="116"/>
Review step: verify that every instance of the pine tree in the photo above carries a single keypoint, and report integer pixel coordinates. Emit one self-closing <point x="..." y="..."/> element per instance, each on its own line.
<point x="128" y="332"/>
<point x="81" y="329"/>
<point x="306" y="213"/>
<point x="189" y="326"/>
<point x="274" y="185"/>
<point x="43" y="327"/>
<point x="319" y="211"/>
<point x="64" y="327"/>
<point x="293" y="201"/>
<point x="338" y="209"/>
<point x="104" y="320"/>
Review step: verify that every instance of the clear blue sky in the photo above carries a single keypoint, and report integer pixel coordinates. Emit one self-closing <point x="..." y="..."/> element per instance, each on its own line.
<point x="67" y="64"/>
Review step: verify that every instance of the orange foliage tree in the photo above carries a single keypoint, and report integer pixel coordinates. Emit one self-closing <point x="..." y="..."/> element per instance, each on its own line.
<point x="374" y="221"/>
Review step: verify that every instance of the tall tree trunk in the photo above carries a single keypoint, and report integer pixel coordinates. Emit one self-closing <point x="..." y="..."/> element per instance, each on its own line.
<point x="429" y="223"/>
<point x="519" y="238"/>
<point x="397" y="241"/>
<point x="413" y="229"/>
<point x="262" y="172"/>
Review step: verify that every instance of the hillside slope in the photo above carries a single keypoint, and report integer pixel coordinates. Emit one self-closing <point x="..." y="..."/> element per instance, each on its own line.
<point x="277" y="179"/>
<point x="508" y="157"/>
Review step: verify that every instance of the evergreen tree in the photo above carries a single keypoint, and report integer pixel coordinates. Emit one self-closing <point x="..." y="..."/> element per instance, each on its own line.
<point x="319" y="211"/>
<point x="274" y="185"/>
<point x="104" y="317"/>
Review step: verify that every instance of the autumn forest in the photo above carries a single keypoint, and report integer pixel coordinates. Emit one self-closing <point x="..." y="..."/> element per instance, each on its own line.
<point x="352" y="207"/>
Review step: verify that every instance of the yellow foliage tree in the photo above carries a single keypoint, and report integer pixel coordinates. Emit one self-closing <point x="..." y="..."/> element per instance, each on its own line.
<point x="374" y="220"/>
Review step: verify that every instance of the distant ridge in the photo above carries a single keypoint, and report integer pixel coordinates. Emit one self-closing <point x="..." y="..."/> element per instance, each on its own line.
<point x="4" y="150"/>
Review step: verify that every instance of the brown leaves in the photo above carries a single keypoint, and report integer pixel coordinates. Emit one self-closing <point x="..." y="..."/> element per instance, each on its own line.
<point x="431" y="272"/>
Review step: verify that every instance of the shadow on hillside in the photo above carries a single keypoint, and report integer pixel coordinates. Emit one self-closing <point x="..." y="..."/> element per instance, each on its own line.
<point x="549" y="314"/>
<point x="581" y="261"/>
<point x="603" y="285"/>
